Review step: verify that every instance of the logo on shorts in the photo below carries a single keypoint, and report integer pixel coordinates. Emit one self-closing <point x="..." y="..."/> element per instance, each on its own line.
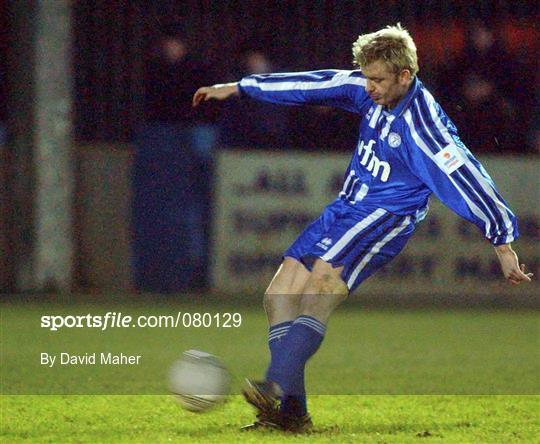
<point x="325" y="243"/>
<point x="394" y="140"/>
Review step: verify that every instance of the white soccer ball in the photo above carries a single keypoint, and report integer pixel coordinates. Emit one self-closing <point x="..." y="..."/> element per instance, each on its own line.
<point x="199" y="381"/>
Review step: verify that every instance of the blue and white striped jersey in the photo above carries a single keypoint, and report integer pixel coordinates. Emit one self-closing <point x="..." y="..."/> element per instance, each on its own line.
<point x="403" y="155"/>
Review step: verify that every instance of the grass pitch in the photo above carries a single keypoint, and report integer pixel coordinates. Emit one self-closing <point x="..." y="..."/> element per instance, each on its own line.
<point x="380" y="376"/>
<point x="337" y="418"/>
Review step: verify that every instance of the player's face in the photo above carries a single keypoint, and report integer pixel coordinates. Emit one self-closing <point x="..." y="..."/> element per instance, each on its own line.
<point x="384" y="86"/>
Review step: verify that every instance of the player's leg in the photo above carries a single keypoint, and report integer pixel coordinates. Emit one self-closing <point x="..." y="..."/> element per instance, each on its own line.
<point x="323" y="292"/>
<point x="282" y="305"/>
<point x="360" y="247"/>
<point x="282" y="297"/>
<point x="282" y="301"/>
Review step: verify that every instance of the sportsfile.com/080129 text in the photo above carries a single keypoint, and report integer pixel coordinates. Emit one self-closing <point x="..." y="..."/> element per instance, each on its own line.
<point x="120" y="320"/>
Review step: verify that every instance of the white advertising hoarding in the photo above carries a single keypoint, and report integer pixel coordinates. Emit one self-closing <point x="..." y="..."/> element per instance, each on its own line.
<point x="263" y="200"/>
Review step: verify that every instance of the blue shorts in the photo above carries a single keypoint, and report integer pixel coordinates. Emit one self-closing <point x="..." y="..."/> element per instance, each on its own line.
<point x="361" y="240"/>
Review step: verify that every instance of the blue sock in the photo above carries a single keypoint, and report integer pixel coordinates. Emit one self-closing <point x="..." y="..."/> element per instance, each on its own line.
<point x="303" y="339"/>
<point x="276" y="334"/>
<point x="290" y="405"/>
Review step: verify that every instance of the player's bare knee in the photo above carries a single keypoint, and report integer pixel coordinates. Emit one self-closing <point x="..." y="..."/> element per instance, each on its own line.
<point x="281" y="307"/>
<point x="269" y="299"/>
<point x="289" y="279"/>
<point x="324" y="284"/>
<point x="277" y="294"/>
<point x="324" y="291"/>
<point x="320" y="306"/>
<point x="274" y="299"/>
<point x="325" y="279"/>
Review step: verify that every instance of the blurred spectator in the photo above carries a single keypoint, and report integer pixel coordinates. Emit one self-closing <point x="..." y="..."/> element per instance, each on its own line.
<point x="251" y="123"/>
<point x="487" y="94"/>
<point x="172" y="171"/>
<point x="324" y="128"/>
<point x="172" y="76"/>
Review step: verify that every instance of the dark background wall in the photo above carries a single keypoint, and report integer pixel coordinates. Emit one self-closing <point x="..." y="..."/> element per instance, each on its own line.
<point x="113" y="39"/>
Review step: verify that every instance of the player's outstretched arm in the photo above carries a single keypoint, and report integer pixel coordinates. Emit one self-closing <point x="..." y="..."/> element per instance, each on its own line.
<point x="215" y="92"/>
<point x="512" y="270"/>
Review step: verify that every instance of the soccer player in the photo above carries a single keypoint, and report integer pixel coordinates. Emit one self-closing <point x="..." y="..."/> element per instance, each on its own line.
<point x="407" y="150"/>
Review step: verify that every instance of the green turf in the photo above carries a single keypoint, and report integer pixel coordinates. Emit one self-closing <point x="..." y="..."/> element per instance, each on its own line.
<point x="477" y="371"/>
<point x="343" y="419"/>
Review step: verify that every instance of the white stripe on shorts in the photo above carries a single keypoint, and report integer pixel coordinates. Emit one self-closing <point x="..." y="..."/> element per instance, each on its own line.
<point x="376" y="248"/>
<point x="352" y="232"/>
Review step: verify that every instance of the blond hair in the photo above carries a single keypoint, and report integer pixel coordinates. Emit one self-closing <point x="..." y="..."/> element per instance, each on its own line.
<point x="393" y="45"/>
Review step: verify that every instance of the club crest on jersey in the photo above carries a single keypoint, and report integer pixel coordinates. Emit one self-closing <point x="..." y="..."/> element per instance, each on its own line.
<point x="394" y="140"/>
<point x="372" y="163"/>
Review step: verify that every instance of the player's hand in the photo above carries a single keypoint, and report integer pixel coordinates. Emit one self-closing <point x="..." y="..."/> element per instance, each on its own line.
<point x="215" y="92"/>
<point x="512" y="270"/>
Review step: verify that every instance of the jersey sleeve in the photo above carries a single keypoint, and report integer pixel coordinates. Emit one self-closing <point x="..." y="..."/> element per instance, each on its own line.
<point x="337" y="88"/>
<point x="436" y="155"/>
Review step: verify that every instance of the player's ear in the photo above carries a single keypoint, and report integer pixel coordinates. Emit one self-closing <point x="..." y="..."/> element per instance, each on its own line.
<point x="404" y="77"/>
